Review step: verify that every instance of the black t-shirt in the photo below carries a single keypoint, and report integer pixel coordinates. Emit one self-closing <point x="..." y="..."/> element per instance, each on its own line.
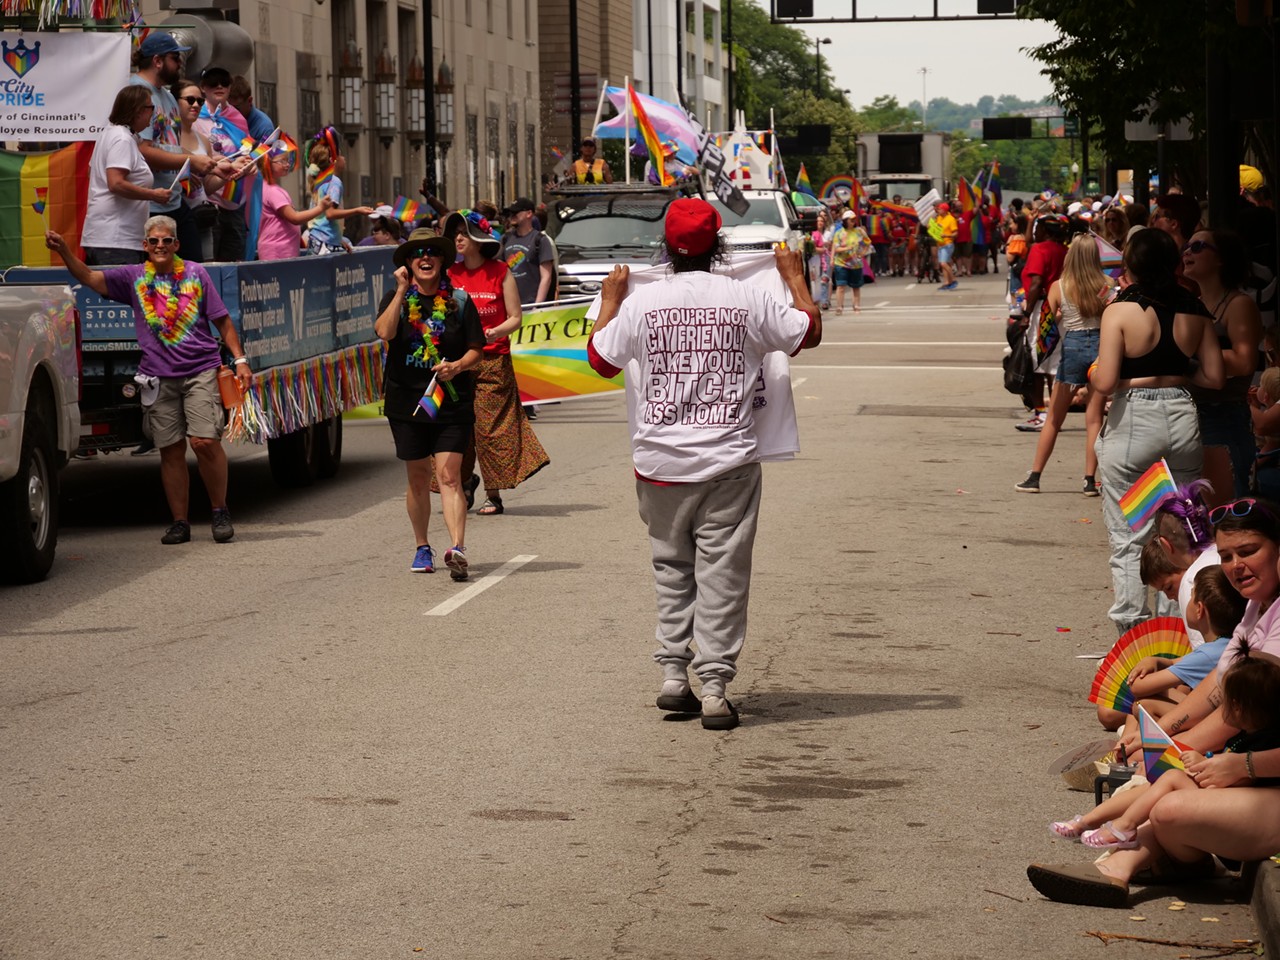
<point x="405" y="379"/>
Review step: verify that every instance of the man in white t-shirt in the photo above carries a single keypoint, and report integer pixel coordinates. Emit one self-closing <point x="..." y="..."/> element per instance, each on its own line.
<point x="693" y="345"/>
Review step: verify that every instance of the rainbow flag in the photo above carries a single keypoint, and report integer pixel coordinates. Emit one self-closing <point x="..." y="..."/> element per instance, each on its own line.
<point x="263" y="146"/>
<point x="965" y="193"/>
<point x="432" y="400"/>
<point x="322" y="178"/>
<point x="993" y="184"/>
<point x="1160" y="752"/>
<point x="905" y="211"/>
<point x="802" y="183"/>
<point x="233" y="192"/>
<point x="59" y="183"/>
<point x="650" y="137"/>
<point x="1141" y="499"/>
<point x="405" y="210"/>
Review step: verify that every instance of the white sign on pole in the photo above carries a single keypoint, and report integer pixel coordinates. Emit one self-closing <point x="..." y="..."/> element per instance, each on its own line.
<point x="59" y="86"/>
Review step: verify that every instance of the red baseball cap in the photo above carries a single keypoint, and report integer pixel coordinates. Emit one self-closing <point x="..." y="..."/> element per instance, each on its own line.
<point x="944" y="207"/>
<point x="691" y="226"/>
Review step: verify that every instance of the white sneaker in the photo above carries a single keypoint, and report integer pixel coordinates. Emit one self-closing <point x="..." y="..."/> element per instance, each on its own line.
<point x="1033" y="425"/>
<point x="718" y="714"/>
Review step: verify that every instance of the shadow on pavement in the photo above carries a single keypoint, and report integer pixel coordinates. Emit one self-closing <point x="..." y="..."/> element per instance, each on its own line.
<point x="788" y="706"/>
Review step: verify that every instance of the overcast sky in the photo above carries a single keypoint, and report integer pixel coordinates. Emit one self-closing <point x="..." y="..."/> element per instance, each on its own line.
<point x="966" y="59"/>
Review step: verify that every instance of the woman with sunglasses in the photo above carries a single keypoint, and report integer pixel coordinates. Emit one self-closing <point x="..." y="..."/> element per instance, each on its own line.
<point x="433" y="337"/>
<point x="1218" y="261"/>
<point x="1187" y="828"/>
<point x="1150" y="336"/>
<point x="506" y="448"/>
<point x="190" y="100"/>
<point x="120" y="184"/>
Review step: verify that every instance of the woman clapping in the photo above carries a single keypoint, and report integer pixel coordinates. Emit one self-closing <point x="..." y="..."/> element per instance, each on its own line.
<point x="432" y="331"/>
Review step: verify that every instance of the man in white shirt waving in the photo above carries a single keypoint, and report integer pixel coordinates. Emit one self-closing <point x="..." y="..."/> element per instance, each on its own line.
<point x="693" y="345"/>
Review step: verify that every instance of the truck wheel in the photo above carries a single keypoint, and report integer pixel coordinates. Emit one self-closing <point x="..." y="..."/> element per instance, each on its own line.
<point x="293" y="458"/>
<point x="328" y="441"/>
<point x="29" y="507"/>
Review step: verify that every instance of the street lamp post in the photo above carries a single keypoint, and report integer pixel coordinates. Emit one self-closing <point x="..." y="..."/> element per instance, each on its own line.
<point x="924" y="97"/>
<point x="817" y="64"/>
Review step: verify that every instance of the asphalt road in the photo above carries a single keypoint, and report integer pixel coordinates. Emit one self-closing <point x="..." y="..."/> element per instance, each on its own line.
<point x="291" y="746"/>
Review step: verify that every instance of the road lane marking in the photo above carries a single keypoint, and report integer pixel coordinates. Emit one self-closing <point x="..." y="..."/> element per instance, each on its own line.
<point x="910" y="286"/>
<point x="795" y="384"/>
<point x="932" y="369"/>
<point x="480" y="586"/>
<point x="883" y="303"/>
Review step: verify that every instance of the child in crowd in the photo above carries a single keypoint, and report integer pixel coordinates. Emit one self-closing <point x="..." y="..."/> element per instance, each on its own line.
<point x="1215" y="609"/>
<point x="280" y="231"/>
<point x="1251" y="702"/>
<point x="325" y="166"/>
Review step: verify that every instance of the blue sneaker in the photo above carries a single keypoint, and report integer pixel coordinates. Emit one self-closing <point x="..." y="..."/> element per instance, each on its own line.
<point x="455" y="558"/>
<point x="952" y="285"/>
<point x="423" y="561"/>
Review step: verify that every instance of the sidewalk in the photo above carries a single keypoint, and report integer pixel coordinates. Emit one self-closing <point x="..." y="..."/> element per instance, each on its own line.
<point x="1266" y="905"/>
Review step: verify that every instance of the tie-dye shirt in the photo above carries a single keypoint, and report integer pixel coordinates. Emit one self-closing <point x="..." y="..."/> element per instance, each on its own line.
<point x="165" y="132"/>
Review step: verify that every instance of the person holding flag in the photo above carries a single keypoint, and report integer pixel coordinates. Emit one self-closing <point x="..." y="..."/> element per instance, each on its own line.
<point x="434" y="338"/>
<point x="280" y="230"/>
<point x="325" y="166"/>
<point x="947" y="229"/>
<point x="226" y="130"/>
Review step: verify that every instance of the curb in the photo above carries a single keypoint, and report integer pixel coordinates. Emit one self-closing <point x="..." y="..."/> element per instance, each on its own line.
<point x="1266" y="905"/>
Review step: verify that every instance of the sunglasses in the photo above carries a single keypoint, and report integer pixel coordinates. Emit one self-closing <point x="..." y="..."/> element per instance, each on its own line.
<point x="424" y="252"/>
<point x="161" y="241"/>
<point x="1238" y="508"/>
<point x="194" y="101"/>
<point x="1199" y="246"/>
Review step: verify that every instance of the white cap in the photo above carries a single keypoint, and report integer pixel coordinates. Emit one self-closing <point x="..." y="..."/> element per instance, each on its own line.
<point x="1074" y="208"/>
<point x="1097" y="205"/>
<point x="382" y="210"/>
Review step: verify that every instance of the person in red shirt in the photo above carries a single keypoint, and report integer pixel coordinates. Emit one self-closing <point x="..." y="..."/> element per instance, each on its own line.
<point x="897" y="247"/>
<point x="964" y="243"/>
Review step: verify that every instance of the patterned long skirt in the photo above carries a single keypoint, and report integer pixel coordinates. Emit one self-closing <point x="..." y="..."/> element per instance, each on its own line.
<point x="506" y="448"/>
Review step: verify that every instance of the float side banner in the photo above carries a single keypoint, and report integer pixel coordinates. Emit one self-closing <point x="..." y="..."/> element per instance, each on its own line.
<point x="284" y="308"/>
<point x="59" y="86"/>
<point x="359" y="281"/>
<point x="549" y="353"/>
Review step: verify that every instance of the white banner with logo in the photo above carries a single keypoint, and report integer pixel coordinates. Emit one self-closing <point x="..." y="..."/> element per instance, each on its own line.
<point x="59" y="86"/>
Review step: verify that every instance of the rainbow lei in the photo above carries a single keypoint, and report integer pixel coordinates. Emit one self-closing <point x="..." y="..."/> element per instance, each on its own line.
<point x="428" y="350"/>
<point x="181" y="297"/>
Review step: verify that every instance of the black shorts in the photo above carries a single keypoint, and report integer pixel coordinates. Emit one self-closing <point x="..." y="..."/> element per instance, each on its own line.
<point x="417" y="441"/>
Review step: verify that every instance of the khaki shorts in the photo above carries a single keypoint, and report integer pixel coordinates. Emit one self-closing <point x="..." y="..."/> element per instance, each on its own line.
<point x="186" y="407"/>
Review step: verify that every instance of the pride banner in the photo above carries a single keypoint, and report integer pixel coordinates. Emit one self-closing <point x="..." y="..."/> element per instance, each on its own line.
<point x="549" y="353"/>
<point x="38" y="192"/>
<point x="59" y="87"/>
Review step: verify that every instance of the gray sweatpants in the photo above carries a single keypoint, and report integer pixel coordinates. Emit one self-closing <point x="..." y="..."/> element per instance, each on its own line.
<point x="701" y="535"/>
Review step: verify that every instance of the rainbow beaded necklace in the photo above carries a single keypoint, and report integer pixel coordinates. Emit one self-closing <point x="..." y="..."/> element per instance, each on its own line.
<point x="428" y="349"/>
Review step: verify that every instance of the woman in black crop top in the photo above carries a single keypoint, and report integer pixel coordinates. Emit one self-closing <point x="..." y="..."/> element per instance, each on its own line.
<point x="1151" y="334"/>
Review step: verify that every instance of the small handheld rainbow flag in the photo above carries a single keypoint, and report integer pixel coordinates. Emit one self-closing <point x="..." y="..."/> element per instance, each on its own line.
<point x="263" y="146"/>
<point x="1141" y="499"/>
<point x="1160" y="752"/>
<point x="406" y="210"/>
<point x="42" y="197"/>
<point x="802" y="183"/>
<point x="650" y="137"/>
<point x="432" y="400"/>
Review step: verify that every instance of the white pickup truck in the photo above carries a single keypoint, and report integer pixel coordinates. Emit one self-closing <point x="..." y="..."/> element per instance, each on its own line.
<point x="39" y="421"/>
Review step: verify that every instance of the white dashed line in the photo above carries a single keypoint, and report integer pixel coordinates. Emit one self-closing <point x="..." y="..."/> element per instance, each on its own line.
<point x="479" y="587"/>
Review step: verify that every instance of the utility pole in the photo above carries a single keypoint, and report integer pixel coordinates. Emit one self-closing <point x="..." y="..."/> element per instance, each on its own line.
<point x="429" y="96"/>
<point x="575" y="78"/>
<point x="924" y="98"/>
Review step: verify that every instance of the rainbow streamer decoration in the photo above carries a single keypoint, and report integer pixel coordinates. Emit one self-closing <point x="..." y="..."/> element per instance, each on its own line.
<point x="59" y="181"/>
<point x="1141" y="500"/>
<point x="406" y="210"/>
<point x="1160" y="752"/>
<point x="432" y="400"/>
<point x="901" y="210"/>
<point x="802" y="183"/>
<point x="650" y="137"/>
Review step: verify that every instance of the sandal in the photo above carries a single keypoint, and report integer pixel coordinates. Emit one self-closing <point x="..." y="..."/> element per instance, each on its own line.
<point x="1120" y="839"/>
<point x="1082" y="884"/>
<point x="1069" y="829"/>
<point x="470" y="489"/>
<point x="491" y="507"/>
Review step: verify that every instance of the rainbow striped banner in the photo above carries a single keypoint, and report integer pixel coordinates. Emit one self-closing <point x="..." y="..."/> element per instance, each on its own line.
<point x="1160" y="752"/>
<point x="650" y="137"/>
<point x="1140" y="500"/>
<point x="39" y="192"/>
<point x="549" y="353"/>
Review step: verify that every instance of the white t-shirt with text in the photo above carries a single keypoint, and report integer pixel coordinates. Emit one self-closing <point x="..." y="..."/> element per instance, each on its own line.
<point x="697" y="340"/>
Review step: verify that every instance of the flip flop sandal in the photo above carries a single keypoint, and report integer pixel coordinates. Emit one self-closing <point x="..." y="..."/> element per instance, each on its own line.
<point x="1082" y="884"/>
<point x="1068" y="829"/>
<point x="470" y="487"/>
<point x="1124" y="839"/>
<point x="491" y="507"/>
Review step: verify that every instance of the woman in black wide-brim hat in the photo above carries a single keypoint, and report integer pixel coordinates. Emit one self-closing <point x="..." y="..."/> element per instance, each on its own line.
<point x="432" y="332"/>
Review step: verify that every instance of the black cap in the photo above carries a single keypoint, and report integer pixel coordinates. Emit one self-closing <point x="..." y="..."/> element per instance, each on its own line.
<point x="588" y="141"/>
<point x="215" y="76"/>
<point x="520" y="205"/>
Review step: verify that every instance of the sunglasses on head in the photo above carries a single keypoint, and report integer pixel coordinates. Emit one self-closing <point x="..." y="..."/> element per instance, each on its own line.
<point x="161" y="241"/>
<point x="194" y="101"/>
<point x="1199" y="246"/>
<point x="1237" y="508"/>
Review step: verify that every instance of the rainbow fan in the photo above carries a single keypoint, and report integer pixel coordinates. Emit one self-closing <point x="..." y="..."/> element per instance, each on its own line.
<point x="1162" y="637"/>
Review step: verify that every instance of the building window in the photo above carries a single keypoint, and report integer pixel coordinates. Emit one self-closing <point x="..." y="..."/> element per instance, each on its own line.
<point x="488" y="14"/>
<point x="531" y="158"/>
<point x="513" y="151"/>
<point x="511" y="19"/>
<point x="466" y="12"/>
<point x="267" y="99"/>
<point x="473" y="158"/>
<point x="308" y="112"/>
<point x="496" y="182"/>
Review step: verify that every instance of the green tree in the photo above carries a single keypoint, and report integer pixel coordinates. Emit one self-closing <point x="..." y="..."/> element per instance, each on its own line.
<point x="884" y="115"/>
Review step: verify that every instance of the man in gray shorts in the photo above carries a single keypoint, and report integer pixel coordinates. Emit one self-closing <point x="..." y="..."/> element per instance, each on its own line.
<point x="174" y="301"/>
